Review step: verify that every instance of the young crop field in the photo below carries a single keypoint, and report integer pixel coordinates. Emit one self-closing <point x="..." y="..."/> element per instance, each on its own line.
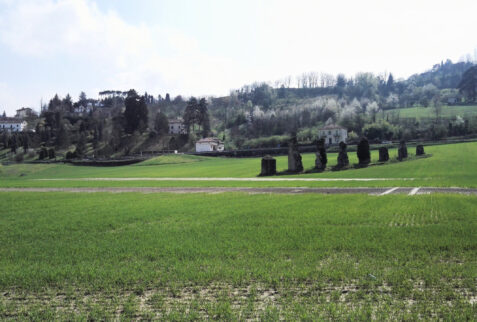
<point x="237" y="256"/>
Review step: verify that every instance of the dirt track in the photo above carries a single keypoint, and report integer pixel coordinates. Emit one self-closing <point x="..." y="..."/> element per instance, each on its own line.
<point x="370" y="191"/>
<point x="255" y="179"/>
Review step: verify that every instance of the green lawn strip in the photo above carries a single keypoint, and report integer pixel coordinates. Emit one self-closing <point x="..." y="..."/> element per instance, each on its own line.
<point x="130" y="243"/>
<point x="429" y="112"/>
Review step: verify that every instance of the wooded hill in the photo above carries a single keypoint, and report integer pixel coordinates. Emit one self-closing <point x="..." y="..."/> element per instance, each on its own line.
<point x="256" y="115"/>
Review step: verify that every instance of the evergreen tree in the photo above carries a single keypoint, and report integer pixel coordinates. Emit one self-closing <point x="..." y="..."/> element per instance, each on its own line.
<point x="190" y="114"/>
<point x="83" y="100"/>
<point x="468" y="84"/>
<point x="341" y="81"/>
<point x="54" y="104"/>
<point x="67" y="104"/>
<point x="161" y="124"/>
<point x="26" y="142"/>
<point x="95" y="138"/>
<point x="135" y="113"/>
<point x="390" y="83"/>
<point x="51" y="153"/>
<point x="81" y="146"/>
<point x="203" y="117"/>
<point x="205" y="126"/>
<point x="197" y="113"/>
<point x="62" y="138"/>
<point x="13" y="143"/>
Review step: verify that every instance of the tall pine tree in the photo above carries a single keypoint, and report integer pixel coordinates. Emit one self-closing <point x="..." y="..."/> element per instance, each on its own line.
<point x="135" y="114"/>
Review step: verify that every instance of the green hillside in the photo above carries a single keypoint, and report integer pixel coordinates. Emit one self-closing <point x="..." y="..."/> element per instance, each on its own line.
<point x="448" y="165"/>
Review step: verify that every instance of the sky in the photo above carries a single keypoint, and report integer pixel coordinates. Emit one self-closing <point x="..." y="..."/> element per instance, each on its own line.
<point x="208" y="47"/>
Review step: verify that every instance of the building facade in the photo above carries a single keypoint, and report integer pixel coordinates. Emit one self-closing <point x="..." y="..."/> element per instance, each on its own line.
<point x="11" y="124"/>
<point x="177" y="126"/>
<point x="209" y="145"/>
<point x="24" y="112"/>
<point x="81" y="109"/>
<point x="333" y="134"/>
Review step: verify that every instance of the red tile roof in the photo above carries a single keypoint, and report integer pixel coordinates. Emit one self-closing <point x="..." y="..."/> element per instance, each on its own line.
<point x="209" y="140"/>
<point x="10" y="120"/>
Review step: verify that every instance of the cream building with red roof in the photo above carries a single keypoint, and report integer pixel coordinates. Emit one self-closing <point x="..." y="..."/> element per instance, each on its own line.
<point x="333" y="134"/>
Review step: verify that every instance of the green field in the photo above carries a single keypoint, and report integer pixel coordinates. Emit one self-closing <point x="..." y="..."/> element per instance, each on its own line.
<point x="448" y="165"/>
<point x="236" y="256"/>
<point x="429" y="112"/>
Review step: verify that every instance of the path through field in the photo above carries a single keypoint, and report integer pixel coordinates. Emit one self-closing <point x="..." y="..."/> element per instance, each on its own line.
<point x="227" y="179"/>
<point x="282" y="190"/>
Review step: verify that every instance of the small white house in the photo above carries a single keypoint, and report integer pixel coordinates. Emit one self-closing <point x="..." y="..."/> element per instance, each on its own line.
<point x="333" y="134"/>
<point x="208" y="145"/>
<point x="176" y="126"/>
<point x="12" y="124"/>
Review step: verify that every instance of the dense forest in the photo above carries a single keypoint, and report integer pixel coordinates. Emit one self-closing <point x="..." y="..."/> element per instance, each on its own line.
<point x="122" y="123"/>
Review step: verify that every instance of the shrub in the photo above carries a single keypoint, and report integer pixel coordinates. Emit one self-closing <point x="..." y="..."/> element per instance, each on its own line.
<point x="42" y="154"/>
<point x="266" y="142"/>
<point x="381" y="130"/>
<point x="19" y="157"/>
<point x="438" y="132"/>
<point x="70" y="155"/>
<point x="51" y="153"/>
<point x="363" y="153"/>
<point x="31" y="153"/>
<point x="352" y="137"/>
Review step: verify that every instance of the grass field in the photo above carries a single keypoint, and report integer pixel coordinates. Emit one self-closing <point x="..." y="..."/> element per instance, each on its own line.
<point x="449" y="165"/>
<point x="429" y="112"/>
<point x="237" y="256"/>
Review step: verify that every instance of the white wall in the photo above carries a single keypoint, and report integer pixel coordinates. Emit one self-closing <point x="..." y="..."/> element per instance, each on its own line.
<point x="207" y="147"/>
<point x="12" y="127"/>
<point x="203" y="147"/>
<point x="176" y="128"/>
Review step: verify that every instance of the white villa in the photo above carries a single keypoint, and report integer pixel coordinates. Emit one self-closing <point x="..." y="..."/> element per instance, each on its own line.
<point x="333" y="134"/>
<point x="24" y="112"/>
<point x="176" y="126"/>
<point x="208" y="145"/>
<point x="12" y="124"/>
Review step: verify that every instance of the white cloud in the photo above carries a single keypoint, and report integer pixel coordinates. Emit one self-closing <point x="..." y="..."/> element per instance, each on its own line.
<point x="280" y="38"/>
<point x="7" y="99"/>
<point x="403" y="37"/>
<point x="122" y="55"/>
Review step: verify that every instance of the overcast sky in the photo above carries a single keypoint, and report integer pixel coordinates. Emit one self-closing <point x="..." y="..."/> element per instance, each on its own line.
<point x="207" y="47"/>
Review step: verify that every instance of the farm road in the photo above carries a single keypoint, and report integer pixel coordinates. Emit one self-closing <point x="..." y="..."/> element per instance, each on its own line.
<point x="212" y="190"/>
<point x="260" y="179"/>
